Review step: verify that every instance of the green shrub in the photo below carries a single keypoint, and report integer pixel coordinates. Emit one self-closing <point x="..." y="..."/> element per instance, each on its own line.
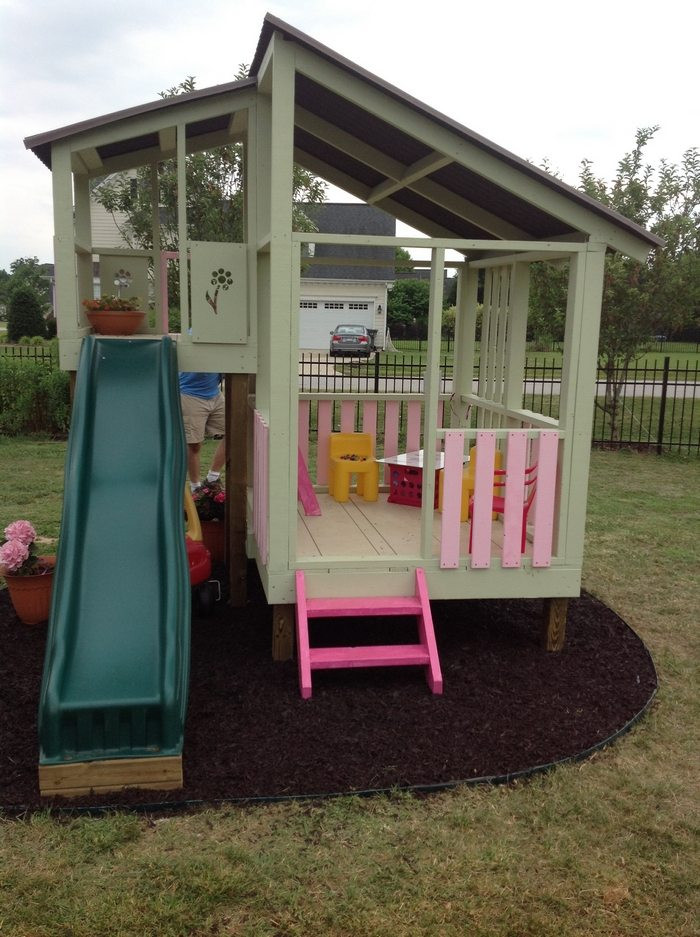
<point x="32" y="398"/>
<point x="24" y="315"/>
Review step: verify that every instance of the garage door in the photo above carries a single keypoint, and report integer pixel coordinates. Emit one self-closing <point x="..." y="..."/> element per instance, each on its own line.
<point x="318" y="317"/>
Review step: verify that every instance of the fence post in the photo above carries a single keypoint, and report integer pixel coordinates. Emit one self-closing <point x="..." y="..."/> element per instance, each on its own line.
<point x="376" y="372"/>
<point x="662" y="407"/>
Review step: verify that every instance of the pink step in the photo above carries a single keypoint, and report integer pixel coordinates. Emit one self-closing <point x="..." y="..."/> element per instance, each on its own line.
<point x="373" y="605"/>
<point x="391" y="655"/>
<point x="422" y="654"/>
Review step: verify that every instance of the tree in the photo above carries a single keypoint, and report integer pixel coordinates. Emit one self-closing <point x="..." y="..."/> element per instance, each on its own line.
<point x="640" y="300"/>
<point x="215" y="198"/>
<point x="402" y="261"/>
<point x="26" y="271"/>
<point x="407" y="307"/>
<point x="25" y="316"/>
<point x="662" y="295"/>
<point x="547" y="316"/>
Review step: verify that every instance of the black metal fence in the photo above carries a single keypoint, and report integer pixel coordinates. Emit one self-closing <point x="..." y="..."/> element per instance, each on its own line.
<point x="647" y="407"/>
<point x="40" y="354"/>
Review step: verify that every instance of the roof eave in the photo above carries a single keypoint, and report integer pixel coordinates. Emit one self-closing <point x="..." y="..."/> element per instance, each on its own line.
<point x="272" y="24"/>
<point x="40" y="143"/>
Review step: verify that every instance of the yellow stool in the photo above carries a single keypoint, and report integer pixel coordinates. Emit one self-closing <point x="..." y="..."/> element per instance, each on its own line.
<point x="468" y="474"/>
<point x="352" y="454"/>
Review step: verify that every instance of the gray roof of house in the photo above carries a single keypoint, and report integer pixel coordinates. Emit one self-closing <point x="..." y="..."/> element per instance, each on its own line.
<point x="351" y="218"/>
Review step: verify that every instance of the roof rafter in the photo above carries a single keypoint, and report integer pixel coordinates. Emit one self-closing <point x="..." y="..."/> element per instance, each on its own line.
<point x="581" y="213"/>
<point x="359" y="190"/>
<point x="392" y="169"/>
<point x="422" y="167"/>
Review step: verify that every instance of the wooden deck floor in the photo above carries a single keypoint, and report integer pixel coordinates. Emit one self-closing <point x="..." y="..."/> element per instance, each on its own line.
<point x="368" y="529"/>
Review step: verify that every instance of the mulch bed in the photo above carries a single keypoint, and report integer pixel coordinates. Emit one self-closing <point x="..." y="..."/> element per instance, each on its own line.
<point x="508" y="706"/>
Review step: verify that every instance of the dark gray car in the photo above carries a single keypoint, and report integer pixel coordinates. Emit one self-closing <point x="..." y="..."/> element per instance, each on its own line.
<point x="350" y="340"/>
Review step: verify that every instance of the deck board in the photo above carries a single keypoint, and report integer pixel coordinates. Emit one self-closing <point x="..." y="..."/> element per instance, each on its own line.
<point x="367" y="529"/>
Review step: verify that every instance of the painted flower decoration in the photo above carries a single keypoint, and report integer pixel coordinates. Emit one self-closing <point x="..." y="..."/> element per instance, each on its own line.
<point x="220" y="279"/>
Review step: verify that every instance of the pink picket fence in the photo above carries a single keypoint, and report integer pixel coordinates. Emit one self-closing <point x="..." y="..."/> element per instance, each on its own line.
<point x="346" y="415"/>
<point x="530" y="457"/>
<point x="261" y="486"/>
<point x="528" y="454"/>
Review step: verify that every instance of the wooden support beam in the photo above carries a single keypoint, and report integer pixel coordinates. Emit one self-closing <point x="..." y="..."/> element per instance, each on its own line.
<point x="283" y="617"/>
<point x="167" y="139"/>
<point x="111" y="774"/>
<point x="236" y="387"/>
<point x="554" y="623"/>
<point x="423" y="167"/>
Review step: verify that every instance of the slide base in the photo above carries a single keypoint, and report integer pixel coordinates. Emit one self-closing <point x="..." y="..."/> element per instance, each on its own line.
<point x="113" y="774"/>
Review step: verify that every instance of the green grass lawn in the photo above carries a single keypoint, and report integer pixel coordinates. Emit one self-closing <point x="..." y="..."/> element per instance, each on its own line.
<point x="604" y="848"/>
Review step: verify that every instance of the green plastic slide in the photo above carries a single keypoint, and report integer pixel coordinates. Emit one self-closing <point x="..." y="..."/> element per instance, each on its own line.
<point x="117" y="658"/>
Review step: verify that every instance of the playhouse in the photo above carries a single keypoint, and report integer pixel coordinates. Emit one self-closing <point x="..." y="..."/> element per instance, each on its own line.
<point x="495" y="505"/>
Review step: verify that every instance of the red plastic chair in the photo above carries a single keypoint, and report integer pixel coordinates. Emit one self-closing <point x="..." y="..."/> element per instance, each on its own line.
<point x="499" y="502"/>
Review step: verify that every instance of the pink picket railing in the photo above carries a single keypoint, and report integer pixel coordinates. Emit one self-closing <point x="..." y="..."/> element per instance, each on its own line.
<point x="261" y="461"/>
<point x="363" y="416"/>
<point x="521" y="448"/>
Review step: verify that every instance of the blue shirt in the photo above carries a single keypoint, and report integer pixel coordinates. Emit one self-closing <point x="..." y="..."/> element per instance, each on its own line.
<point x="200" y="384"/>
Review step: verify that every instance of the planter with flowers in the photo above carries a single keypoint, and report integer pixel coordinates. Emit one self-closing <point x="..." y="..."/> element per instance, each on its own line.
<point x="210" y="502"/>
<point x="112" y="315"/>
<point x="29" y="576"/>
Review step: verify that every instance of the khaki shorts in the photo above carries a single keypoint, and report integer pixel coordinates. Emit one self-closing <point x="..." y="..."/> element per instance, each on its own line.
<point x="203" y="417"/>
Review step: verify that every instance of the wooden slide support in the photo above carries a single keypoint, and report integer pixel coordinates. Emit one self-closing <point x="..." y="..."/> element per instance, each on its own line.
<point x="111" y="774"/>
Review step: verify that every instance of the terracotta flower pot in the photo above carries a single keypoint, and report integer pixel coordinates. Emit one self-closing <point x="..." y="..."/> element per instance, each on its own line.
<point x="214" y="537"/>
<point x="31" y="595"/>
<point x="116" y="321"/>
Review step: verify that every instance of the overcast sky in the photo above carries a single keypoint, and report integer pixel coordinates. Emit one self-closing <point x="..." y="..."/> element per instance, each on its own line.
<point x="546" y="80"/>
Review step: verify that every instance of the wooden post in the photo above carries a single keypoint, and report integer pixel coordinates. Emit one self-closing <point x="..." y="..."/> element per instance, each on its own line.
<point x="554" y="624"/>
<point x="282" y="632"/>
<point x="236" y="386"/>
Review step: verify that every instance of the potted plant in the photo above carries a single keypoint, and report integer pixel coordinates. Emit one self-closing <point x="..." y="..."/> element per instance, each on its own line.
<point x="29" y="576"/>
<point x="112" y="315"/>
<point x="210" y="503"/>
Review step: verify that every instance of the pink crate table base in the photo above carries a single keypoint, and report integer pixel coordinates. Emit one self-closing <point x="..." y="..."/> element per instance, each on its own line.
<point x="406" y="477"/>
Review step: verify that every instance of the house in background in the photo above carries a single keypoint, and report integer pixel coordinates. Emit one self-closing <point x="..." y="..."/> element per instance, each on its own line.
<point x="331" y="292"/>
<point x="105" y="226"/>
<point x="341" y="283"/>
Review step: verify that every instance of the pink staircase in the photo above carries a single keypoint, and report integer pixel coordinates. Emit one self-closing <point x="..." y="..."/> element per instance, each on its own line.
<point x="424" y="653"/>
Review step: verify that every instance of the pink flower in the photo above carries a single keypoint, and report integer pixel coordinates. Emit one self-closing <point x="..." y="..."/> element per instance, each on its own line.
<point x="13" y="554"/>
<point x="22" y="531"/>
<point x="220" y="497"/>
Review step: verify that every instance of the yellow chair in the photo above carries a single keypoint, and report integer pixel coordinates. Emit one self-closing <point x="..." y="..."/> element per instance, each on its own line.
<point x="352" y="454"/>
<point x="468" y="474"/>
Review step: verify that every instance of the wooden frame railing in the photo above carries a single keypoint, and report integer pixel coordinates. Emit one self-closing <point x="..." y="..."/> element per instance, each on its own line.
<point x="261" y="485"/>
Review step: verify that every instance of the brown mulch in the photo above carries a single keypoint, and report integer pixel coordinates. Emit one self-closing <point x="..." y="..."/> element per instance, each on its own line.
<point x="507" y="707"/>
